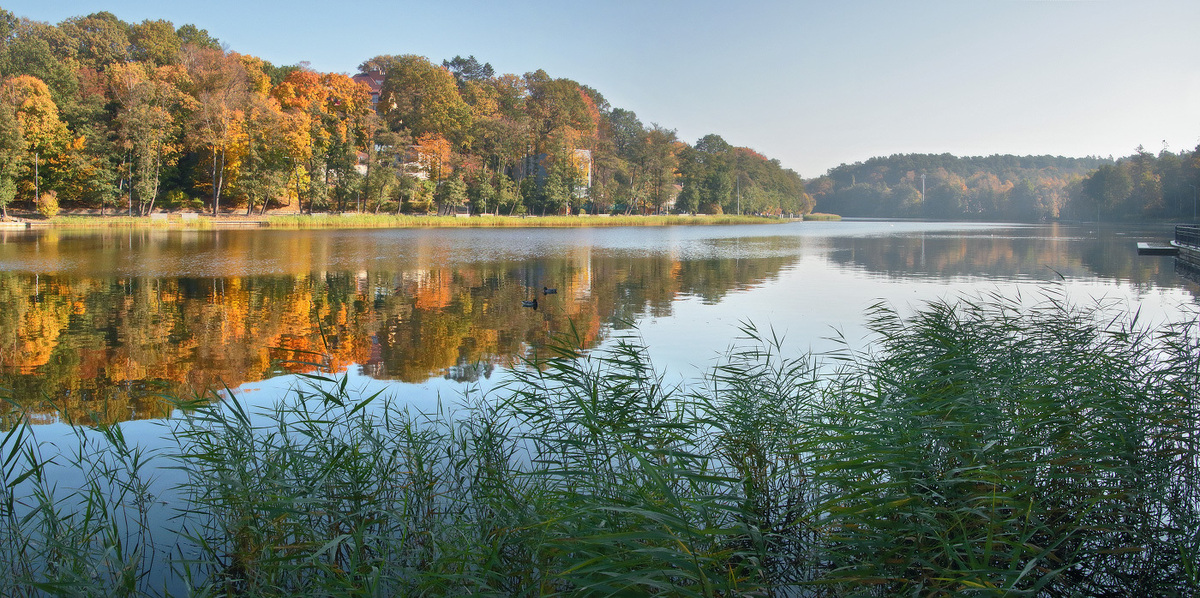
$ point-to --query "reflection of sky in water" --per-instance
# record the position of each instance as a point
(821, 294)
(818, 297)
(832, 273)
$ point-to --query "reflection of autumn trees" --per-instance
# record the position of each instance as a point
(101, 348)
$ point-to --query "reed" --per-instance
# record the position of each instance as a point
(94, 222)
(489, 221)
(354, 220)
(985, 446)
(822, 216)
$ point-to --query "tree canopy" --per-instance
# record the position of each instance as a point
(1027, 188)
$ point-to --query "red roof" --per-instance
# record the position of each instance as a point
(373, 80)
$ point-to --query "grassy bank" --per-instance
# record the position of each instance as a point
(404, 221)
(320, 221)
(818, 216)
(982, 447)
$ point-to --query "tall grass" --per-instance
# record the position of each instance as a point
(489, 221)
(355, 220)
(822, 216)
(74, 519)
(1000, 448)
(986, 446)
(141, 222)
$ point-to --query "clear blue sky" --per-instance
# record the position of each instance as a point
(814, 83)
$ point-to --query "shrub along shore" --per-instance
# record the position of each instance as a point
(356, 220)
(983, 446)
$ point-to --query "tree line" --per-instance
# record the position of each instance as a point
(1001, 187)
(1006, 187)
(129, 117)
(1144, 185)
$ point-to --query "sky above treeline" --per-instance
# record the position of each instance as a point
(814, 83)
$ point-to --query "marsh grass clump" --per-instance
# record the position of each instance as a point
(819, 216)
(984, 446)
(75, 519)
(350, 220)
(994, 447)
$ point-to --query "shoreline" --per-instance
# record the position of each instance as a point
(195, 221)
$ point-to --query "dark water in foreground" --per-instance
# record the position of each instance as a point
(103, 322)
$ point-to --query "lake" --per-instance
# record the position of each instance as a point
(113, 326)
(105, 323)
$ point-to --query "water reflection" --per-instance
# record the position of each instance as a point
(97, 346)
(1011, 254)
(105, 324)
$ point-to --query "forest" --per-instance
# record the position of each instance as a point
(1020, 188)
(97, 113)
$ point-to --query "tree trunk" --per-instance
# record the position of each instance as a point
(215, 197)
(218, 179)
(154, 195)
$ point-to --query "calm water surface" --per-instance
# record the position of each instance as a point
(102, 322)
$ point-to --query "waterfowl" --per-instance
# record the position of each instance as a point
(532, 304)
(548, 291)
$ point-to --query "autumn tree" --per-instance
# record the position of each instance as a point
(37, 49)
(12, 155)
(660, 166)
(562, 113)
(266, 170)
(433, 154)
(384, 149)
(146, 126)
(348, 110)
(450, 194)
(219, 86)
(468, 69)
(190, 35)
(98, 40)
(46, 138)
(336, 109)
(421, 98)
(155, 42)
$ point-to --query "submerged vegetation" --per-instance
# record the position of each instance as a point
(987, 446)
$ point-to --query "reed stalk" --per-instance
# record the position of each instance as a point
(982, 446)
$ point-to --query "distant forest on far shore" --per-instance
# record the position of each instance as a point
(1021, 188)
